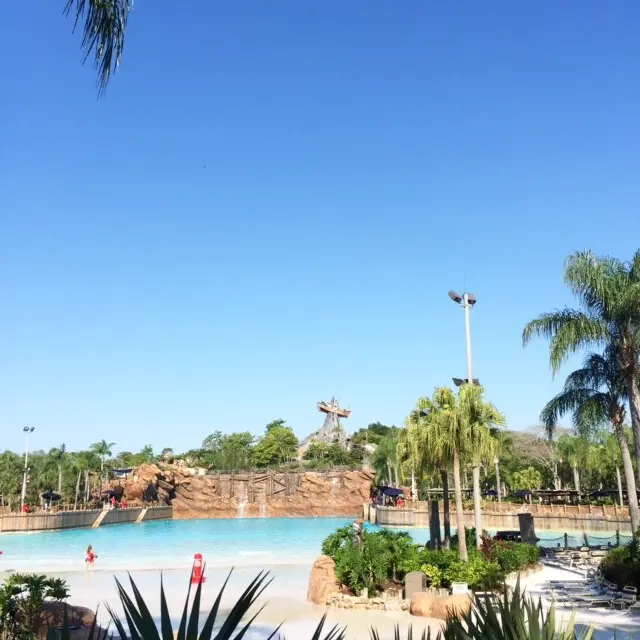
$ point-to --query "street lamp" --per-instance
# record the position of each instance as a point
(27, 431)
(466, 301)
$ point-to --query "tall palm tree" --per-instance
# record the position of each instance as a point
(458, 428)
(481, 420)
(573, 450)
(385, 459)
(103, 450)
(57, 456)
(424, 459)
(595, 395)
(103, 23)
(608, 458)
(608, 291)
(441, 437)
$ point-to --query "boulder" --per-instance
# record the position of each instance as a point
(322, 581)
(430, 605)
(52, 615)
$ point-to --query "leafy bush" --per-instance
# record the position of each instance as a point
(478, 573)
(403, 552)
(382, 555)
(335, 541)
(22, 596)
(433, 573)
(622, 566)
(389, 555)
(363, 566)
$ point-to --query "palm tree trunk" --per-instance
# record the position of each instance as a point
(75, 502)
(633, 392)
(389, 472)
(446, 506)
(629, 477)
(60, 478)
(576, 479)
(619, 480)
(498, 485)
(462, 542)
(87, 488)
(477, 506)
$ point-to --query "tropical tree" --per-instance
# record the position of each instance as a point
(595, 396)
(608, 291)
(104, 23)
(527, 479)
(424, 458)
(57, 455)
(146, 453)
(278, 445)
(608, 459)
(480, 420)
(385, 460)
(574, 451)
(11, 469)
(458, 428)
(103, 449)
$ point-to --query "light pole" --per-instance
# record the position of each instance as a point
(466, 301)
(27, 431)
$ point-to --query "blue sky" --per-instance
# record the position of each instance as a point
(273, 199)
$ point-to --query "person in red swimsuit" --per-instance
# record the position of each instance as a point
(90, 557)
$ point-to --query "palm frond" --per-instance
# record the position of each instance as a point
(568, 331)
(105, 23)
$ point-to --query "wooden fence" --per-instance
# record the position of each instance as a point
(419, 517)
(260, 487)
(44, 521)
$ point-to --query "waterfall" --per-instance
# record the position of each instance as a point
(243, 499)
(263, 509)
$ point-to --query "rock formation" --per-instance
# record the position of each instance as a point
(52, 615)
(322, 581)
(260, 494)
(430, 605)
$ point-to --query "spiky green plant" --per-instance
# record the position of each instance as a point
(139, 623)
(514, 617)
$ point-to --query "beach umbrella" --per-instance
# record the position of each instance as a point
(50, 496)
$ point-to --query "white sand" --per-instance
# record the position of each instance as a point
(285, 601)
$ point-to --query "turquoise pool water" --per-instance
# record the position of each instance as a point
(171, 544)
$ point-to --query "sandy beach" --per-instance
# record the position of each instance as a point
(286, 604)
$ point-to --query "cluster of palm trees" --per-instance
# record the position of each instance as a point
(445, 432)
(449, 431)
(607, 323)
(74, 476)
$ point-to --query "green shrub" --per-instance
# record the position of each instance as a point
(506, 557)
(442, 559)
(433, 573)
(403, 552)
(622, 566)
(363, 566)
(335, 541)
(478, 573)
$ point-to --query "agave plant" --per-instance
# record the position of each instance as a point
(139, 624)
(514, 617)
